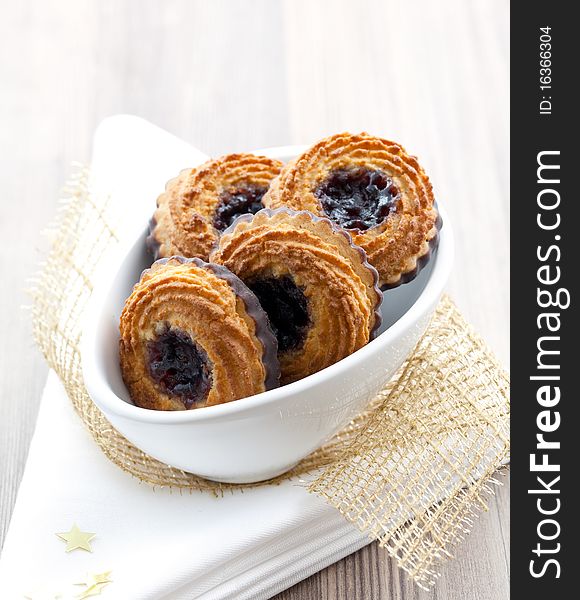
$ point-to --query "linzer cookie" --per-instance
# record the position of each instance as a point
(316, 286)
(193, 335)
(374, 190)
(200, 203)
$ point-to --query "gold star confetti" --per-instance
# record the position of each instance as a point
(95, 583)
(75, 538)
(94, 590)
(96, 578)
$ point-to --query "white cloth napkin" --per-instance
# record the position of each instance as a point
(157, 543)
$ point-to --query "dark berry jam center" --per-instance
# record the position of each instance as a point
(180, 367)
(357, 198)
(287, 309)
(246, 199)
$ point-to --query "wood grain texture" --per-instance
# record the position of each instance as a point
(241, 74)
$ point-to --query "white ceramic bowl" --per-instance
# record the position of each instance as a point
(259, 437)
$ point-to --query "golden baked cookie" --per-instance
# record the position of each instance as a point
(372, 188)
(317, 288)
(193, 335)
(200, 203)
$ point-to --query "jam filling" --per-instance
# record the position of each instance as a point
(357, 198)
(287, 309)
(180, 367)
(246, 199)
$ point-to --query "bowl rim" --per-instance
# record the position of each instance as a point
(102, 394)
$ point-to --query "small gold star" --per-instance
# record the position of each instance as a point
(94, 590)
(94, 582)
(75, 538)
(96, 578)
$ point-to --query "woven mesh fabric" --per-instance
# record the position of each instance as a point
(411, 471)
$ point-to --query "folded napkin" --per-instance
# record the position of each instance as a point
(156, 543)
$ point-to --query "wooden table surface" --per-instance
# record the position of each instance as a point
(242, 74)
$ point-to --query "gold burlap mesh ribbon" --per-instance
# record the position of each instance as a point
(411, 471)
